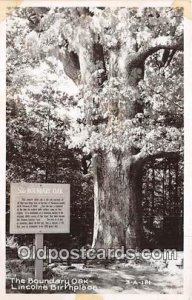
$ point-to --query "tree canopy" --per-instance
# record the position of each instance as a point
(99, 49)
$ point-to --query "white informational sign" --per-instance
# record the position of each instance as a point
(39, 208)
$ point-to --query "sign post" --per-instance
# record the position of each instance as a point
(38, 208)
(38, 262)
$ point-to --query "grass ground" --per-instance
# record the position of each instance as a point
(114, 277)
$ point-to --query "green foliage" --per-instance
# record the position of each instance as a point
(159, 97)
(37, 152)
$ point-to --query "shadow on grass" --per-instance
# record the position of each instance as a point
(130, 279)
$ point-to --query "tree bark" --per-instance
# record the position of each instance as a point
(117, 189)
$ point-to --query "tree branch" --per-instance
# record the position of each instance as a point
(71, 65)
(143, 157)
(163, 42)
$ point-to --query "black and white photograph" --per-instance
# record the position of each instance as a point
(95, 150)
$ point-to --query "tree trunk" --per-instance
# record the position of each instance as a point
(117, 175)
(117, 189)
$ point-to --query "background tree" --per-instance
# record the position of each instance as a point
(162, 202)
